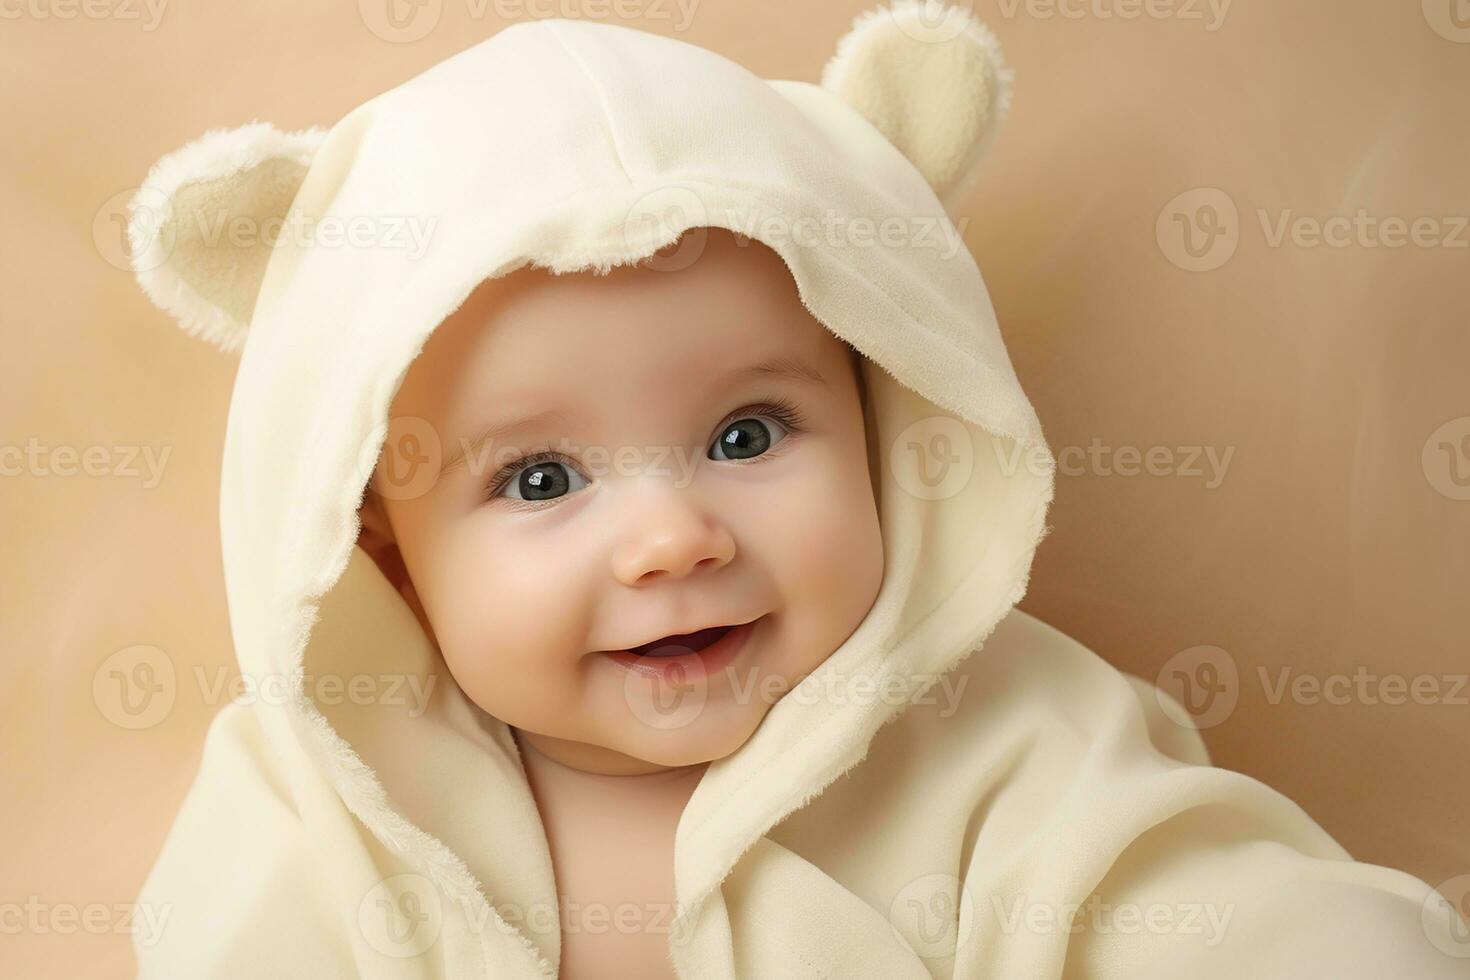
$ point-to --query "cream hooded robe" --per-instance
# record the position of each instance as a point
(958, 791)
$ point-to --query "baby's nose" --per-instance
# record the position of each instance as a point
(672, 543)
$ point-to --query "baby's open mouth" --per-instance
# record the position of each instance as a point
(681, 643)
(683, 657)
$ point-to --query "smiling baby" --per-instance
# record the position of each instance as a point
(683, 464)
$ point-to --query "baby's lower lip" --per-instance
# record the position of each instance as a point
(681, 667)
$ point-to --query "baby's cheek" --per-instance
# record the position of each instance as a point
(513, 641)
(827, 525)
(827, 556)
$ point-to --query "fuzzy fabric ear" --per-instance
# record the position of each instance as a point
(931, 78)
(201, 227)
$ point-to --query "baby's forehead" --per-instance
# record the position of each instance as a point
(721, 302)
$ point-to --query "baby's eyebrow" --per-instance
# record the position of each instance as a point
(496, 431)
(789, 368)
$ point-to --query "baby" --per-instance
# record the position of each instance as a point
(683, 462)
(630, 598)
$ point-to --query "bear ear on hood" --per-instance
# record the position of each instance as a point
(931, 78)
(201, 226)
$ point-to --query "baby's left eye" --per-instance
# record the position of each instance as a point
(748, 437)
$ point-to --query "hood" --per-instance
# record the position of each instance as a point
(574, 146)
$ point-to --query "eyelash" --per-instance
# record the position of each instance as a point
(778, 408)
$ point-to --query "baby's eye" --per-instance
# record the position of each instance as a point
(540, 479)
(748, 437)
(543, 476)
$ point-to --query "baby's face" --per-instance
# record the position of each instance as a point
(679, 481)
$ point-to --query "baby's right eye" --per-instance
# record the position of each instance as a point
(537, 478)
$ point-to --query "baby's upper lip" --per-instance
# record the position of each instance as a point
(731, 623)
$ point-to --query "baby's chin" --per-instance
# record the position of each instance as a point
(719, 731)
(636, 739)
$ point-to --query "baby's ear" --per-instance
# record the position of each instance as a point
(931, 78)
(376, 536)
(377, 539)
(201, 227)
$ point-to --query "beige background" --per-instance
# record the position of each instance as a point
(1335, 543)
